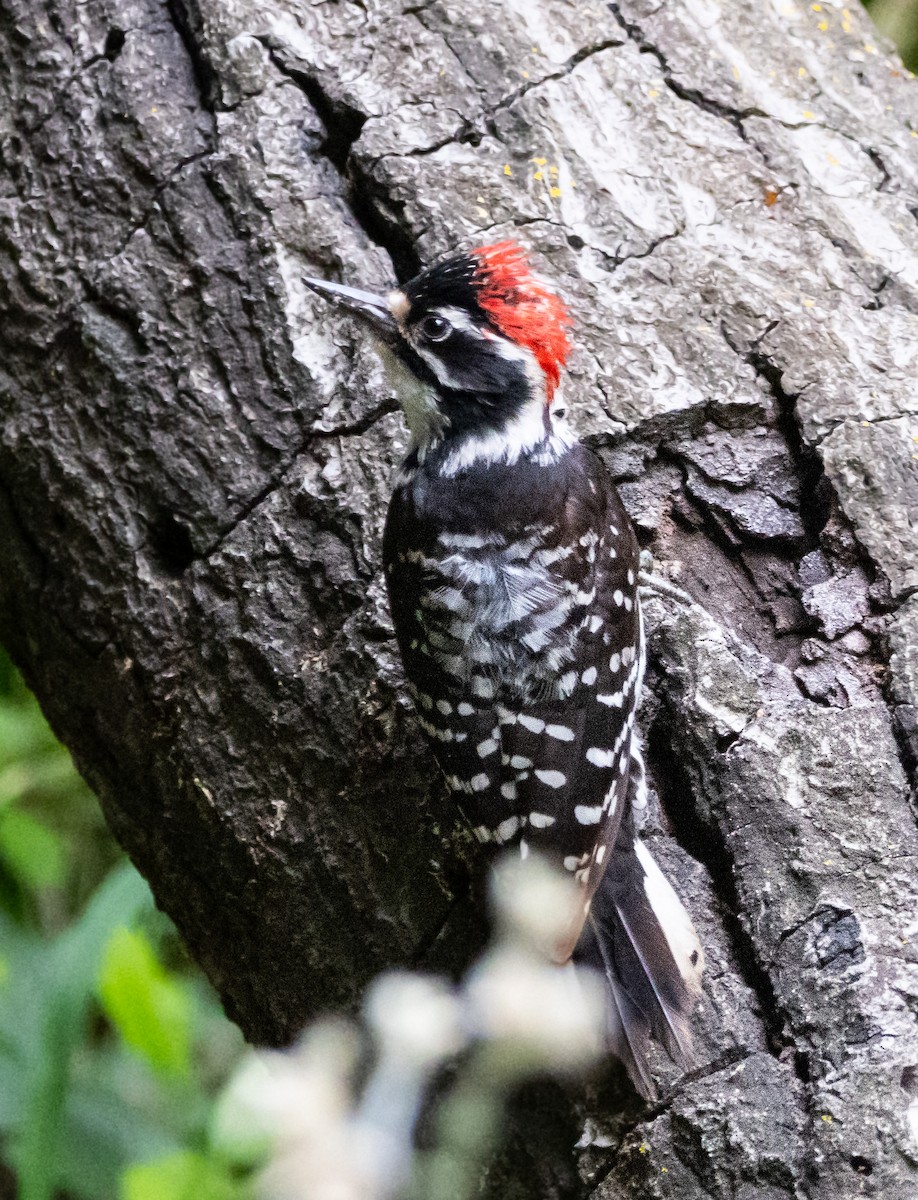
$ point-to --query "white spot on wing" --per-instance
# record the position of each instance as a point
(600, 758)
(588, 814)
(561, 732)
(534, 724)
(506, 829)
(552, 779)
(539, 820)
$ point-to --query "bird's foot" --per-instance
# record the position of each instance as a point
(651, 585)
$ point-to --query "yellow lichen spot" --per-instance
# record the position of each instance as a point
(538, 175)
(643, 1148)
(507, 170)
(555, 191)
(736, 72)
(553, 170)
(539, 162)
(809, 116)
(664, 1170)
(816, 7)
(154, 110)
(831, 160)
(915, 437)
(827, 862)
(652, 93)
(827, 1118)
(870, 48)
(525, 74)
(915, 133)
(535, 49)
(808, 303)
(823, 26)
(801, 71)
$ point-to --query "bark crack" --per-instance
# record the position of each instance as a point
(373, 211)
(316, 434)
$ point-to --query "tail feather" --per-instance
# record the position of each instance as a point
(641, 938)
(628, 1028)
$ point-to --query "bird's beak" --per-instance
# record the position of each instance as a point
(372, 309)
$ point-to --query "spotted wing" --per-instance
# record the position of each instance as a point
(523, 649)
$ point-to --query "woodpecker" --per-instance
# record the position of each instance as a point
(512, 572)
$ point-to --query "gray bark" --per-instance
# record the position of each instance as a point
(194, 466)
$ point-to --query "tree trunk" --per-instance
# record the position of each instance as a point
(195, 462)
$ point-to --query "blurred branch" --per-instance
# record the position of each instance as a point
(517, 1017)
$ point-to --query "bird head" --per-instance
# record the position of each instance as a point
(483, 340)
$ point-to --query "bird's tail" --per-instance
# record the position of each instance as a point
(640, 938)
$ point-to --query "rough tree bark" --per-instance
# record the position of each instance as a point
(195, 459)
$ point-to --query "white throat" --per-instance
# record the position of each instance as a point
(418, 401)
(528, 429)
(536, 424)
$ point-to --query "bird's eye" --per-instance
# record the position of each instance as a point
(435, 329)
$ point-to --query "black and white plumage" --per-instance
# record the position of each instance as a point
(512, 574)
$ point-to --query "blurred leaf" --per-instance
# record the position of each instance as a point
(81, 1100)
(76, 955)
(24, 732)
(117, 1113)
(150, 1010)
(34, 853)
(49, 771)
(183, 1176)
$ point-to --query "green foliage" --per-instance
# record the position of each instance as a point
(112, 1046)
(182, 1176)
(150, 1009)
(898, 19)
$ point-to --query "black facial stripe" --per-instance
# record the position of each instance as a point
(416, 364)
(479, 365)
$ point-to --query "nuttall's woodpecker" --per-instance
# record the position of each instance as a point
(512, 574)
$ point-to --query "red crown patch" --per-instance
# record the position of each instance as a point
(522, 307)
